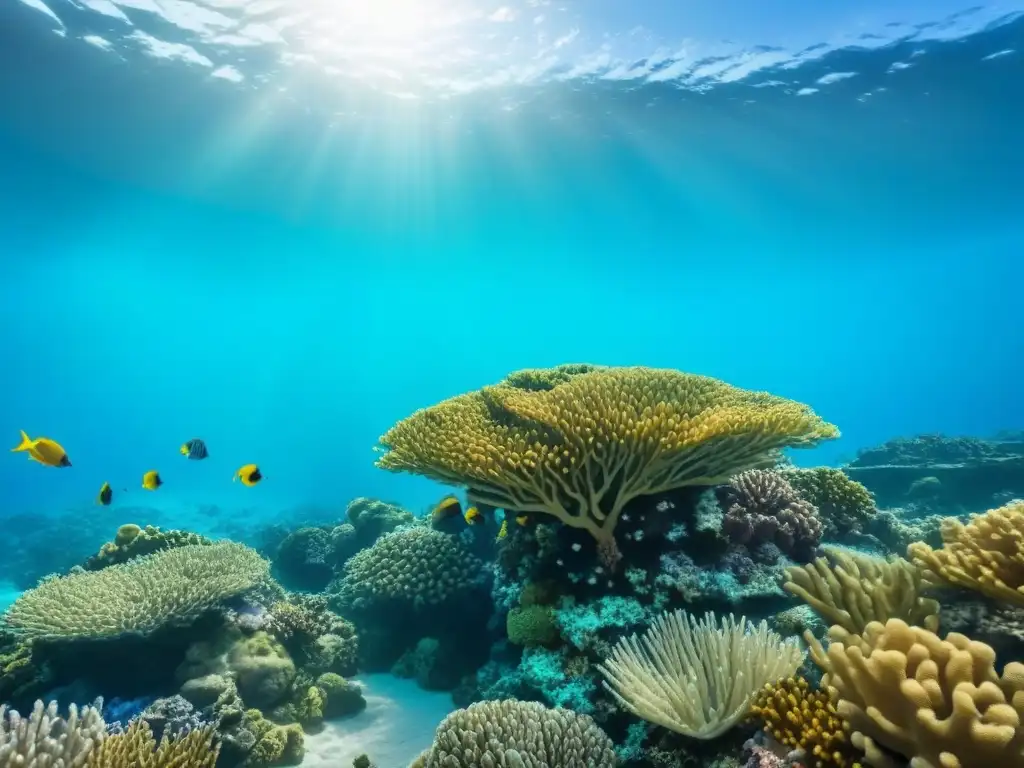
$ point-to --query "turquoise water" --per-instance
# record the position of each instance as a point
(284, 264)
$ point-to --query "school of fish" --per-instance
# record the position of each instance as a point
(50, 453)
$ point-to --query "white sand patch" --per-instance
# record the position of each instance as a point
(398, 723)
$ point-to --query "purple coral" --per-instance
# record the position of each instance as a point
(763, 507)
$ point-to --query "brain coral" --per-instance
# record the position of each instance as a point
(518, 734)
(762, 506)
(173, 586)
(578, 443)
(419, 565)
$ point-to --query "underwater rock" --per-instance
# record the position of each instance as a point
(172, 715)
(434, 666)
(204, 691)
(303, 559)
(263, 670)
(972, 474)
(343, 696)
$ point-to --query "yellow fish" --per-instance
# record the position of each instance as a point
(249, 475)
(504, 529)
(106, 494)
(474, 516)
(151, 480)
(522, 519)
(449, 506)
(44, 450)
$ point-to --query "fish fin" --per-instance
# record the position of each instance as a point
(24, 445)
(33, 457)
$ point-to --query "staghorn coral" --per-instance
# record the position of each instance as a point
(697, 678)
(938, 703)
(131, 542)
(174, 586)
(762, 506)
(583, 448)
(44, 740)
(136, 747)
(844, 505)
(417, 565)
(518, 734)
(806, 720)
(986, 555)
(855, 589)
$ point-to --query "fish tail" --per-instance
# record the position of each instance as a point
(26, 443)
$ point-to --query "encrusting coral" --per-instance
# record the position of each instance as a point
(852, 590)
(762, 506)
(938, 703)
(132, 541)
(418, 565)
(579, 445)
(517, 734)
(986, 554)
(173, 586)
(697, 678)
(803, 719)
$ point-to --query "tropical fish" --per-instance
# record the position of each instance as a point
(151, 480)
(522, 519)
(44, 450)
(249, 475)
(504, 529)
(474, 516)
(194, 449)
(449, 506)
(106, 494)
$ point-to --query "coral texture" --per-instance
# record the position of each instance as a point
(938, 703)
(418, 565)
(44, 739)
(579, 446)
(697, 678)
(518, 734)
(986, 555)
(136, 747)
(762, 506)
(174, 586)
(132, 541)
(853, 590)
(843, 504)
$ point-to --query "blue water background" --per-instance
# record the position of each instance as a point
(178, 261)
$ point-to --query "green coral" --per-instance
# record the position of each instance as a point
(275, 744)
(21, 677)
(264, 672)
(417, 565)
(310, 707)
(343, 697)
(531, 625)
(131, 542)
(171, 587)
(843, 504)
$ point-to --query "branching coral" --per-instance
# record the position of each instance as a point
(986, 555)
(418, 565)
(697, 678)
(938, 703)
(174, 586)
(843, 504)
(852, 590)
(137, 748)
(44, 739)
(762, 506)
(580, 448)
(802, 718)
(518, 733)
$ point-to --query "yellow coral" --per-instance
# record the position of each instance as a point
(136, 748)
(986, 555)
(843, 503)
(856, 590)
(579, 445)
(938, 703)
(805, 719)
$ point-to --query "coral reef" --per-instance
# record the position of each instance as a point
(517, 733)
(761, 506)
(132, 541)
(580, 448)
(843, 504)
(173, 586)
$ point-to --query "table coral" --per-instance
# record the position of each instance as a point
(580, 445)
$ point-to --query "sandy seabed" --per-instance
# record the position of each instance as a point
(398, 723)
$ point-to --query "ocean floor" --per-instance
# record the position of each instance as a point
(8, 594)
(398, 723)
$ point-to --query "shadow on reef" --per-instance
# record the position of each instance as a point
(637, 578)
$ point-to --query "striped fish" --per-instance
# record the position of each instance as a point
(194, 449)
